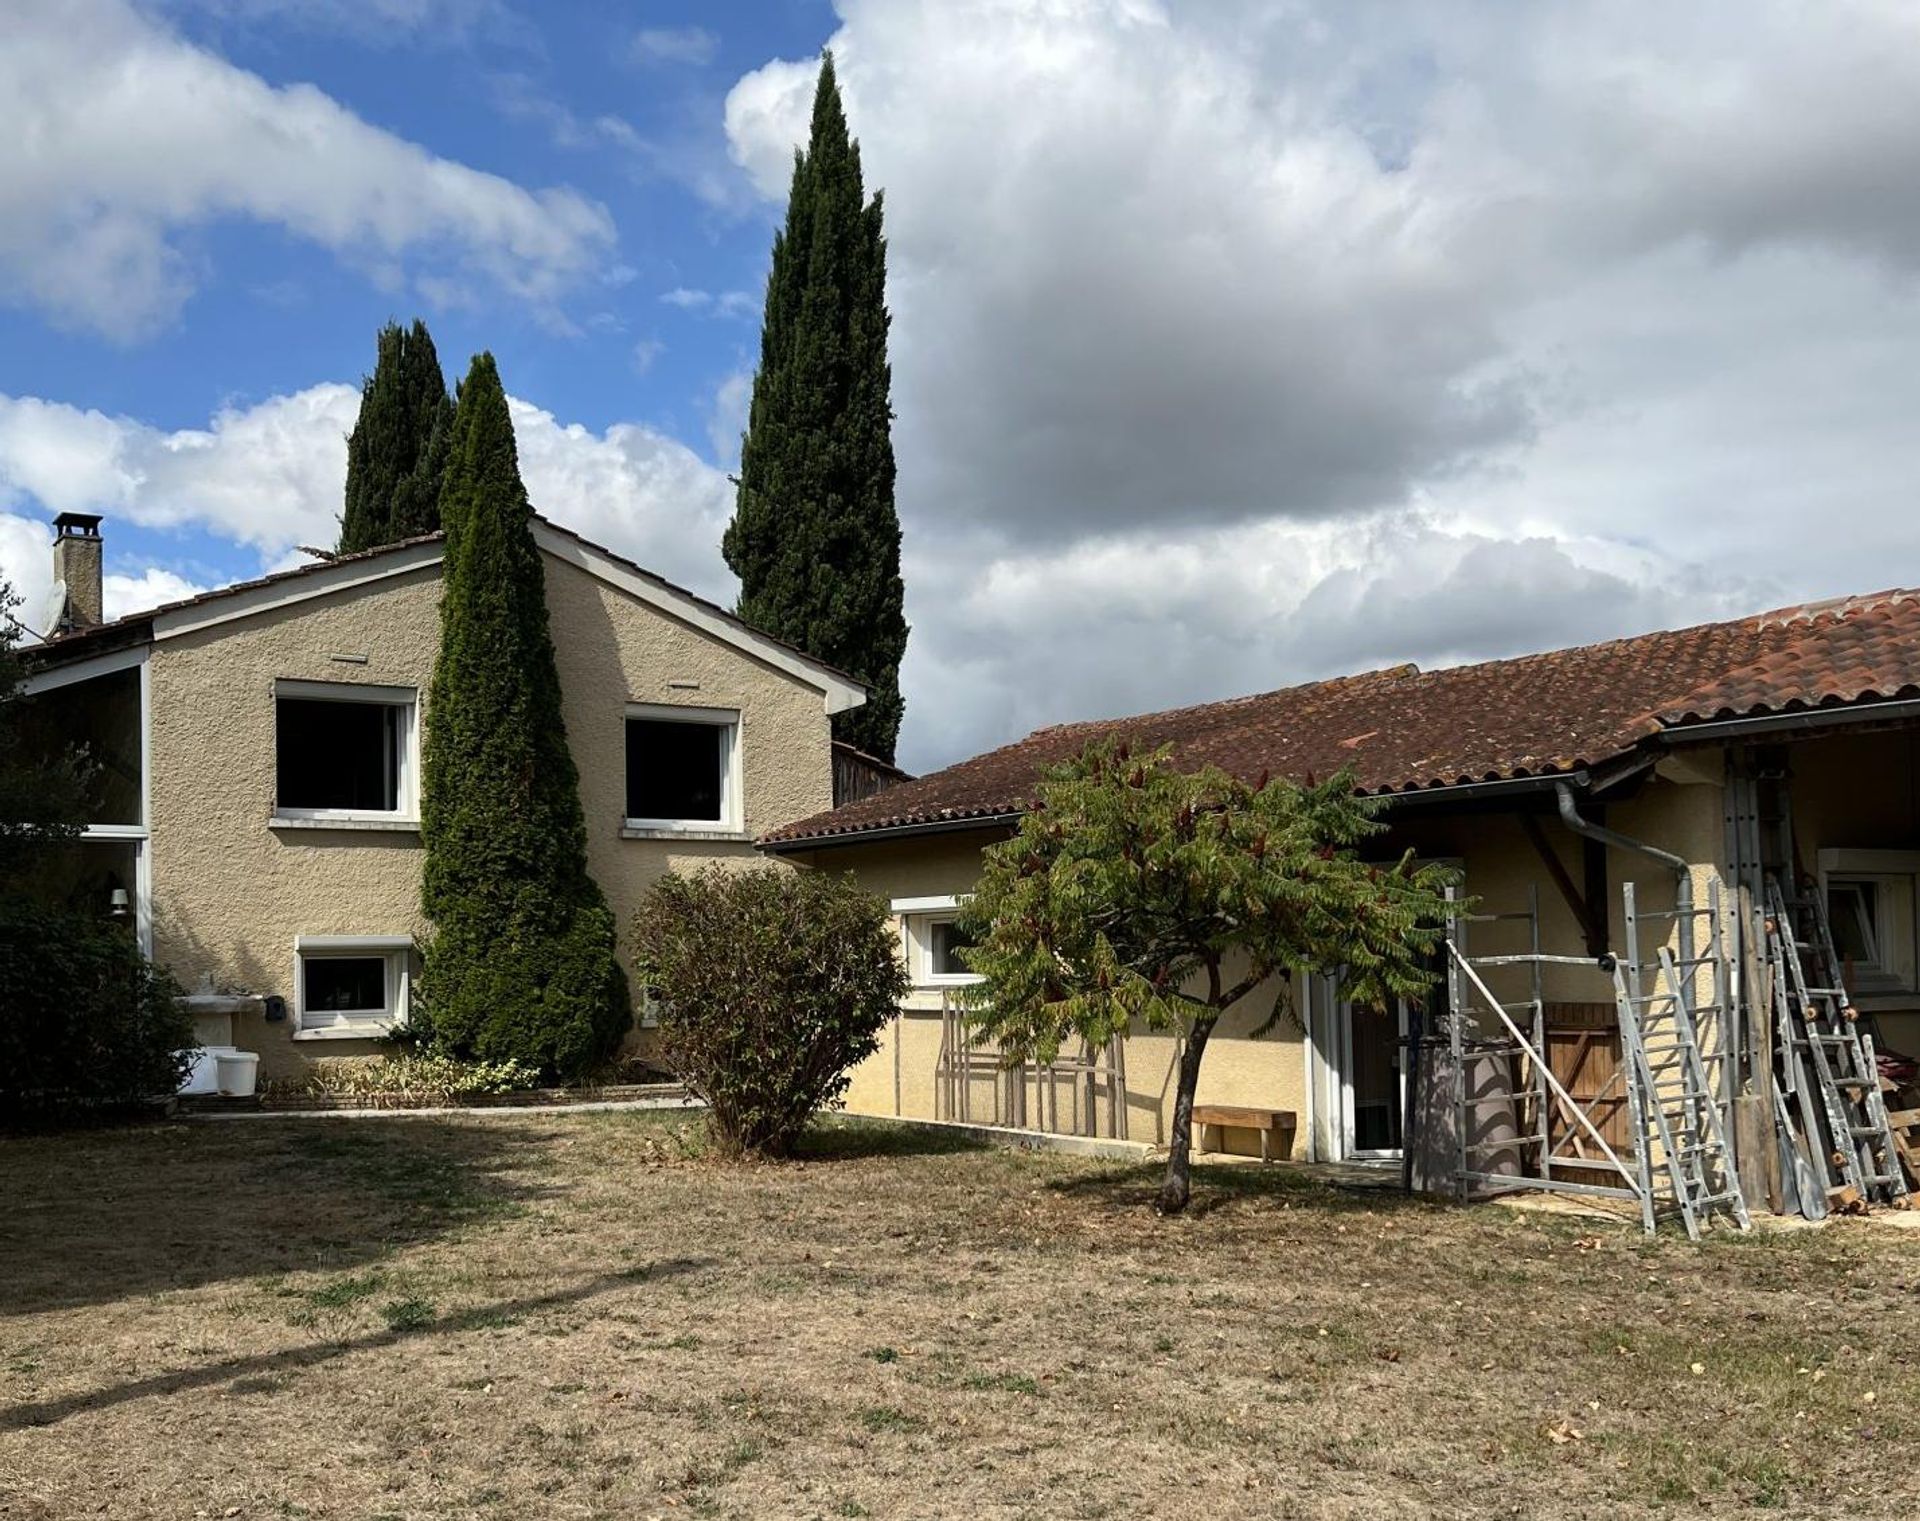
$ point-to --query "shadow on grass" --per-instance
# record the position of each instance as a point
(110, 1215)
(1225, 1187)
(271, 1365)
(845, 1138)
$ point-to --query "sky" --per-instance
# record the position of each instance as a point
(1235, 342)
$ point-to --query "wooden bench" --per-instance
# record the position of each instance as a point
(1267, 1122)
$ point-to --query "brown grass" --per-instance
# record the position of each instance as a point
(576, 1315)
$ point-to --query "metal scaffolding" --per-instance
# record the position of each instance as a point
(1028, 1095)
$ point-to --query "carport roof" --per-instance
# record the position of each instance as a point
(1405, 731)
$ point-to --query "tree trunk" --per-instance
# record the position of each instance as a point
(1175, 1191)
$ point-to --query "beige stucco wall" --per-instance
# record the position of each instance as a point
(231, 893)
(1681, 812)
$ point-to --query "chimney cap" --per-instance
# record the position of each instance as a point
(78, 524)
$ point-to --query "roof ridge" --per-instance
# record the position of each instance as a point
(1835, 607)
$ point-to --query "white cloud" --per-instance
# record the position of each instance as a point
(674, 44)
(123, 138)
(1240, 343)
(727, 419)
(270, 477)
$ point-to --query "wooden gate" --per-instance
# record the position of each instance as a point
(1583, 1052)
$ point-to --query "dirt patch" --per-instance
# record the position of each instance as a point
(577, 1315)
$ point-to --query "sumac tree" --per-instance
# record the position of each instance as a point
(1136, 895)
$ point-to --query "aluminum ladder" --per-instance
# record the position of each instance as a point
(1679, 1111)
(1829, 1061)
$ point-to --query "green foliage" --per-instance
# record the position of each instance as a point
(1137, 895)
(42, 797)
(397, 452)
(90, 1024)
(521, 963)
(815, 539)
(771, 985)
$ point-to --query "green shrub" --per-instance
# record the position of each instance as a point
(412, 1075)
(86, 1022)
(770, 985)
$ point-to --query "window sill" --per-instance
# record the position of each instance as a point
(941, 984)
(656, 832)
(362, 1032)
(389, 826)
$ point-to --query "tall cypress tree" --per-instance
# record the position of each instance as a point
(397, 452)
(815, 539)
(521, 963)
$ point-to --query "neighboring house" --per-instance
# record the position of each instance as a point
(259, 749)
(1685, 745)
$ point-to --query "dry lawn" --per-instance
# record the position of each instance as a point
(535, 1315)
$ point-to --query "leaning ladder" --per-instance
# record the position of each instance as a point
(1679, 1113)
(1831, 1068)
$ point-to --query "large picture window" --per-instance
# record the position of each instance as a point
(682, 769)
(343, 752)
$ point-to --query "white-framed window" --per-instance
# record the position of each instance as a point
(350, 986)
(683, 769)
(933, 941)
(1872, 905)
(345, 753)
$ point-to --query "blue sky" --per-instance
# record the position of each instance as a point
(1235, 343)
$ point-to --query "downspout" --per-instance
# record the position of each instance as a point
(1570, 816)
(1681, 869)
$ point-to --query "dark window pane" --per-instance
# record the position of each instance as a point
(100, 719)
(673, 769)
(1852, 913)
(945, 941)
(338, 755)
(345, 984)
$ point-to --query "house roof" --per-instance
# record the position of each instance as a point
(323, 576)
(1404, 730)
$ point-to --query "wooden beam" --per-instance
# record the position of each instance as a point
(1596, 931)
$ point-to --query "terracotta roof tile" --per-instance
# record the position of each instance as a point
(1403, 730)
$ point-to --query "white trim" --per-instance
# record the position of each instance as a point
(730, 824)
(840, 692)
(93, 666)
(406, 815)
(393, 949)
(923, 905)
(322, 581)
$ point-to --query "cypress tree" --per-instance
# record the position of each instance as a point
(397, 452)
(815, 539)
(521, 963)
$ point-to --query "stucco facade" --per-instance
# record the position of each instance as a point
(232, 889)
(1298, 1064)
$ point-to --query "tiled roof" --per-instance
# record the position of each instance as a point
(1403, 730)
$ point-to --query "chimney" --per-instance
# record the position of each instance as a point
(76, 568)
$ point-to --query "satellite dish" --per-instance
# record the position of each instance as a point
(56, 609)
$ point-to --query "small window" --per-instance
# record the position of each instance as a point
(351, 985)
(934, 941)
(681, 768)
(945, 940)
(1872, 920)
(343, 752)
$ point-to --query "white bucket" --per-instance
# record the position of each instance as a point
(238, 1070)
(203, 1076)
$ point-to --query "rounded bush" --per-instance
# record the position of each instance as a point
(770, 985)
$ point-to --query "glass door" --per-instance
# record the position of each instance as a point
(1372, 1081)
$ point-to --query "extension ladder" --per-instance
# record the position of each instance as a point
(1828, 1061)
